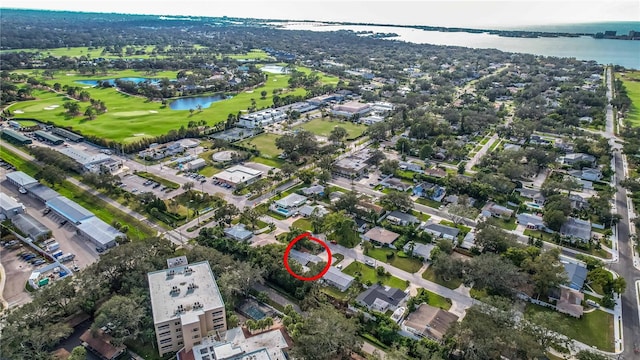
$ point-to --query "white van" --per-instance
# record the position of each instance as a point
(592, 303)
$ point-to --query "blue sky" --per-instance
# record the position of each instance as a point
(461, 13)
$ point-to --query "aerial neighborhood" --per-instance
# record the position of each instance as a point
(154, 182)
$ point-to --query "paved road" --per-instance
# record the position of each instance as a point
(625, 265)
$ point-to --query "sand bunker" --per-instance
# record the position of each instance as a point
(139, 134)
(48, 108)
(18, 112)
(153, 111)
(55, 106)
(249, 91)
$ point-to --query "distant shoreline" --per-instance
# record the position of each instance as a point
(611, 35)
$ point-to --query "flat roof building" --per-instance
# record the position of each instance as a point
(354, 165)
(9, 206)
(87, 160)
(20, 179)
(238, 174)
(49, 138)
(338, 279)
(68, 209)
(42, 192)
(236, 345)
(99, 232)
(66, 134)
(31, 227)
(196, 164)
(350, 109)
(186, 306)
(15, 137)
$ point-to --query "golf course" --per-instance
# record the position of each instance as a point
(129, 118)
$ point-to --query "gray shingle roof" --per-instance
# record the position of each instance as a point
(391, 295)
(577, 274)
(443, 229)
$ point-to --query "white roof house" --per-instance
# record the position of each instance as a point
(337, 278)
(291, 201)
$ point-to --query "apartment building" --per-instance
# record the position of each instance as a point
(186, 303)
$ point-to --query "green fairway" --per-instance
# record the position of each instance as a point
(594, 328)
(129, 118)
(367, 273)
(266, 143)
(255, 54)
(631, 82)
(324, 127)
(89, 52)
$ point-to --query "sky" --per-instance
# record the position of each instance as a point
(452, 13)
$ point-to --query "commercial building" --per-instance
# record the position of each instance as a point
(42, 192)
(354, 165)
(31, 227)
(196, 164)
(351, 109)
(20, 179)
(48, 138)
(236, 345)
(10, 207)
(69, 210)
(66, 134)
(99, 232)
(186, 305)
(237, 175)
(262, 118)
(89, 162)
(15, 137)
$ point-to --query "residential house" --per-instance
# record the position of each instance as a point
(308, 210)
(532, 222)
(288, 205)
(381, 298)
(396, 184)
(576, 229)
(430, 322)
(538, 140)
(587, 174)
(469, 241)
(365, 207)
(361, 225)
(570, 302)
(497, 211)
(578, 202)
(573, 158)
(381, 236)
(410, 167)
(338, 279)
(532, 194)
(576, 273)
(238, 232)
(454, 199)
(102, 344)
(430, 191)
(315, 190)
(435, 172)
(400, 218)
(304, 258)
(418, 250)
(442, 231)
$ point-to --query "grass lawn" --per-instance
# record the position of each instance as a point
(463, 229)
(337, 258)
(303, 224)
(209, 171)
(421, 216)
(255, 54)
(269, 162)
(19, 163)
(266, 143)
(431, 276)
(594, 328)
(408, 264)
(28, 123)
(335, 293)
(324, 127)
(507, 225)
(104, 211)
(438, 300)
(369, 274)
(428, 202)
(130, 118)
(633, 91)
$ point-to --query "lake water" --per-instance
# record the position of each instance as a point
(273, 69)
(604, 51)
(193, 102)
(136, 80)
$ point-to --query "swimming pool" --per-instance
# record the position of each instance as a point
(533, 205)
(254, 312)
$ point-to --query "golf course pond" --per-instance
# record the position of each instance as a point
(136, 80)
(188, 103)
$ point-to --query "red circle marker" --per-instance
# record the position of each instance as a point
(288, 250)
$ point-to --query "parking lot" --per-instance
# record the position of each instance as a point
(65, 234)
(17, 272)
(136, 185)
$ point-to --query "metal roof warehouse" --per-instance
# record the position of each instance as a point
(68, 209)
